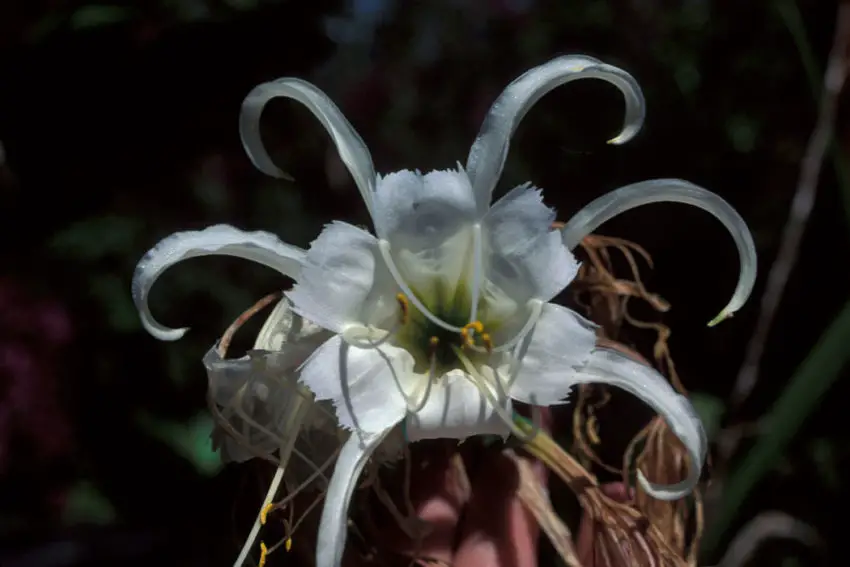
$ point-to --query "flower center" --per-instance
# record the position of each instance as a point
(432, 345)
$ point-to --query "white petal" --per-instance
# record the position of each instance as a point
(677, 191)
(261, 247)
(338, 274)
(560, 343)
(456, 409)
(611, 367)
(528, 259)
(365, 385)
(426, 223)
(353, 151)
(333, 527)
(418, 207)
(490, 150)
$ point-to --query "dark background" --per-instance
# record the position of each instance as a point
(118, 125)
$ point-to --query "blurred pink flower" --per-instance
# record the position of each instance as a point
(35, 331)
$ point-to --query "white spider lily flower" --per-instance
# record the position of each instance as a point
(442, 317)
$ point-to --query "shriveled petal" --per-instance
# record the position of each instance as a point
(333, 527)
(259, 399)
(261, 247)
(364, 384)
(559, 344)
(338, 273)
(284, 328)
(352, 150)
(261, 404)
(607, 366)
(528, 259)
(456, 409)
(675, 191)
(490, 150)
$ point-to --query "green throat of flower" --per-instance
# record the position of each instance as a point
(434, 346)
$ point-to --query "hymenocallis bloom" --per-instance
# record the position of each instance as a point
(441, 318)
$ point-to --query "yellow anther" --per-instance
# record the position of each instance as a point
(288, 544)
(468, 338)
(478, 326)
(264, 513)
(264, 552)
(404, 305)
(433, 342)
(488, 342)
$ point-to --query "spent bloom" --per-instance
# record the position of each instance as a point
(441, 318)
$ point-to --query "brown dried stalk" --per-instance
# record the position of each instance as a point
(661, 456)
(536, 500)
(625, 535)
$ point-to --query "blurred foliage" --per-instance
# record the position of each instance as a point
(118, 127)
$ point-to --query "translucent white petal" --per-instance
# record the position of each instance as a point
(259, 399)
(365, 385)
(559, 344)
(607, 366)
(353, 151)
(428, 207)
(677, 191)
(261, 247)
(285, 328)
(427, 223)
(527, 258)
(333, 527)
(490, 150)
(456, 409)
(337, 275)
(258, 395)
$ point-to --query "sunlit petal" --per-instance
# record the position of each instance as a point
(560, 343)
(338, 273)
(456, 409)
(677, 191)
(410, 205)
(352, 150)
(333, 527)
(261, 247)
(490, 150)
(527, 259)
(426, 219)
(364, 384)
(607, 366)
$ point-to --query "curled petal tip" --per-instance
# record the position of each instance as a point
(488, 154)
(261, 247)
(352, 150)
(665, 493)
(672, 190)
(623, 137)
(725, 314)
(161, 332)
(606, 366)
